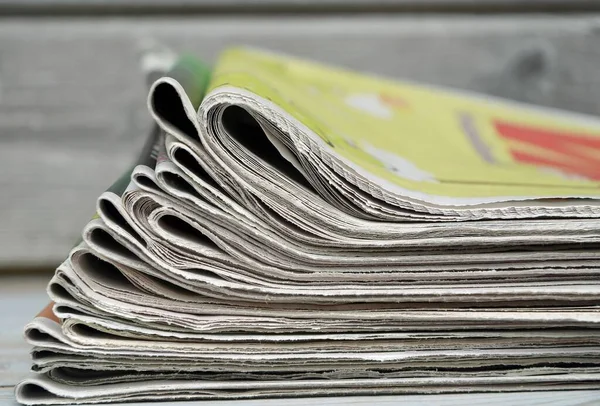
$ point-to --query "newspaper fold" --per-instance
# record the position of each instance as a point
(296, 230)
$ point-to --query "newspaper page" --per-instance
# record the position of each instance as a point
(414, 146)
(291, 229)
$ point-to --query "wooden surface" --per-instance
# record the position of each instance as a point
(22, 297)
(571, 398)
(72, 109)
(104, 7)
(72, 101)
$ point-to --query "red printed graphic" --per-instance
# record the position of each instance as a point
(568, 152)
(394, 101)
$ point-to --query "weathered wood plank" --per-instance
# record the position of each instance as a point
(568, 398)
(99, 7)
(72, 102)
(21, 298)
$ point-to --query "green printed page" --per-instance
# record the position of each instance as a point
(193, 75)
(424, 139)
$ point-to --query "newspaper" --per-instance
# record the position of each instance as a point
(291, 229)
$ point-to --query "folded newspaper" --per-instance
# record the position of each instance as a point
(292, 229)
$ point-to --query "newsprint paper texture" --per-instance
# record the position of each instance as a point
(291, 229)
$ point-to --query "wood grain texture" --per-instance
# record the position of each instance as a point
(72, 101)
(21, 298)
(104, 7)
(568, 398)
(571, 398)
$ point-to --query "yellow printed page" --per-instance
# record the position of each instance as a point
(426, 139)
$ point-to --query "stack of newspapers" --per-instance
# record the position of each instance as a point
(292, 229)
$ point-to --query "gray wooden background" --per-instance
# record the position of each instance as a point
(72, 100)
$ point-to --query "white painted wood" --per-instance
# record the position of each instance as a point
(566, 398)
(21, 298)
(72, 103)
(149, 6)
